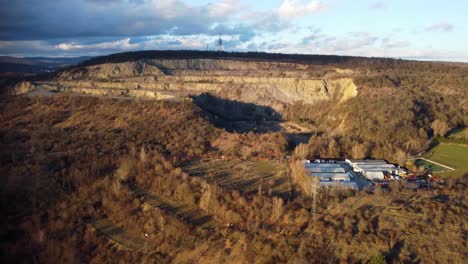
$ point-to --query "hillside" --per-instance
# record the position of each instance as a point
(85, 178)
(345, 100)
(191, 157)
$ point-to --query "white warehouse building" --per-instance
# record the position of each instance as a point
(374, 174)
(375, 169)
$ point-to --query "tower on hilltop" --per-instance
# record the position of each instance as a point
(220, 43)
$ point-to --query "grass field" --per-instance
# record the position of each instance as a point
(453, 155)
(435, 168)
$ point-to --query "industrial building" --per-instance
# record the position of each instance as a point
(330, 174)
(334, 170)
(322, 165)
(376, 169)
(338, 184)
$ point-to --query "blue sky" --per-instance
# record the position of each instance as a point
(414, 29)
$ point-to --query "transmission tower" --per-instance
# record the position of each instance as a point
(220, 43)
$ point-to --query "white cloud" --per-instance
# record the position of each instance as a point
(177, 42)
(391, 43)
(351, 41)
(290, 9)
(377, 6)
(441, 27)
(314, 35)
(123, 44)
(225, 8)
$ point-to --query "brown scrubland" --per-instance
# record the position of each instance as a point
(70, 161)
(123, 180)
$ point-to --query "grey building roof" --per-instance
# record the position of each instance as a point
(338, 184)
(319, 169)
(367, 161)
(322, 165)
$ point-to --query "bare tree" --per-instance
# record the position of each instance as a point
(359, 151)
(315, 186)
(143, 155)
(440, 127)
(300, 152)
(401, 156)
(278, 208)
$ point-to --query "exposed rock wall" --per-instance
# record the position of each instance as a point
(140, 93)
(21, 88)
(266, 83)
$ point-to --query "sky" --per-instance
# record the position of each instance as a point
(409, 29)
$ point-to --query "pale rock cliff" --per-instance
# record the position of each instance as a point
(271, 84)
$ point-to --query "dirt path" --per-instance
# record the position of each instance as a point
(436, 163)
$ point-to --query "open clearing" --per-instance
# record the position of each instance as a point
(244, 176)
(453, 155)
(184, 212)
(118, 235)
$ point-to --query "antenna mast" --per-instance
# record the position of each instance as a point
(220, 43)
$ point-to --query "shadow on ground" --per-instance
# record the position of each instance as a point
(240, 117)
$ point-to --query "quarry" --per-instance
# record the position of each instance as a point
(271, 84)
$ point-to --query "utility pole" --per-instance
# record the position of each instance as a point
(314, 197)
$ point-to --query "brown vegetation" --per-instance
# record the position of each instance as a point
(112, 180)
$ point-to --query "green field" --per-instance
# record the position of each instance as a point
(452, 155)
(435, 168)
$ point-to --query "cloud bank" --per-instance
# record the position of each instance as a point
(97, 27)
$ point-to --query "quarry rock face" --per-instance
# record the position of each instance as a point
(21, 88)
(272, 84)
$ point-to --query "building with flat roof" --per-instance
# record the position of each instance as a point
(319, 169)
(328, 176)
(374, 174)
(322, 165)
(340, 184)
(366, 161)
(375, 169)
